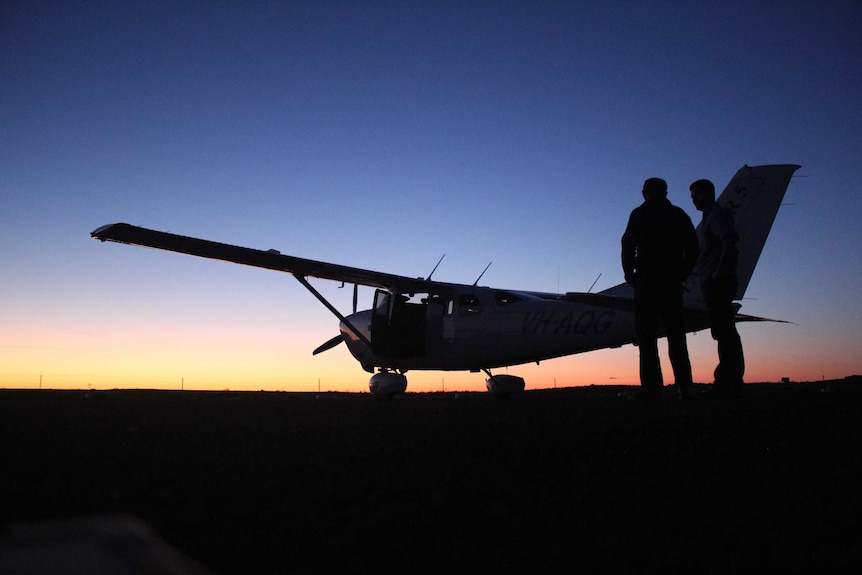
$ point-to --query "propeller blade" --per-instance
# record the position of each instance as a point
(329, 344)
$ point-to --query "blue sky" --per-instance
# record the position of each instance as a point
(385, 134)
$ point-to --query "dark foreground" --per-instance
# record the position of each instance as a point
(553, 481)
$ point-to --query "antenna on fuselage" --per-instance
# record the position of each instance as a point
(435, 267)
(594, 284)
(481, 274)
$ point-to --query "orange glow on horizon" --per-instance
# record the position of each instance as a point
(275, 359)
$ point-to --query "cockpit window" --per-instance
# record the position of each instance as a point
(505, 298)
(381, 303)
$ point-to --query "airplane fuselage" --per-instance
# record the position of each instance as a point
(473, 328)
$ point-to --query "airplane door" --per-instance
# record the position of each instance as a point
(439, 310)
(380, 332)
(397, 326)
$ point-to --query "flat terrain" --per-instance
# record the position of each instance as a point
(548, 481)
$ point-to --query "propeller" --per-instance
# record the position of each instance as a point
(329, 344)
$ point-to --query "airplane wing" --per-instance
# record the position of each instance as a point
(271, 259)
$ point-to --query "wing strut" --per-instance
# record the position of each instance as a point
(330, 307)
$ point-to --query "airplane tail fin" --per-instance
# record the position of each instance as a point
(754, 195)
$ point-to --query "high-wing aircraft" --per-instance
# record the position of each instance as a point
(422, 324)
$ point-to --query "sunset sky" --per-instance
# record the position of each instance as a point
(383, 135)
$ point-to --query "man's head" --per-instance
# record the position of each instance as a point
(702, 194)
(655, 189)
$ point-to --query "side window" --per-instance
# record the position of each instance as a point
(468, 304)
(438, 305)
(505, 298)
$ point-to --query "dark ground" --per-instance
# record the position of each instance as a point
(548, 481)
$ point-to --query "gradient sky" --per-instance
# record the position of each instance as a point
(384, 134)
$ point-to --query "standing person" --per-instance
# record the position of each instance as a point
(717, 270)
(659, 250)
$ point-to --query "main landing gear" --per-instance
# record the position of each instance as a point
(386, 384)
(504, 385)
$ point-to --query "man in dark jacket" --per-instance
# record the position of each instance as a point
(659, 251)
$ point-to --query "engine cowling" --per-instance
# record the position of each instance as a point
(387, 384)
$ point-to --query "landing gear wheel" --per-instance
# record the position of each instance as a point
(386, 384)
(504, 385)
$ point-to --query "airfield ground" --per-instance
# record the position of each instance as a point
(575, 480)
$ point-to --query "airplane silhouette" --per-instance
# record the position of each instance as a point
(422, 324)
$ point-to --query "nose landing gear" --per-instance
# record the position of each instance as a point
(385, 384)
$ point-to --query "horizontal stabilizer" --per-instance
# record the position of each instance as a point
(741, 318)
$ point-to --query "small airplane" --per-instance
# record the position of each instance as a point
(423, 324)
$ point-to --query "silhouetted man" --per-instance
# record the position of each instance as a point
(717, 270)
(659, 250)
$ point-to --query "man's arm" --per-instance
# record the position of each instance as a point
(729, 237)
(629, 250)
(727, 244)
(692, 250)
